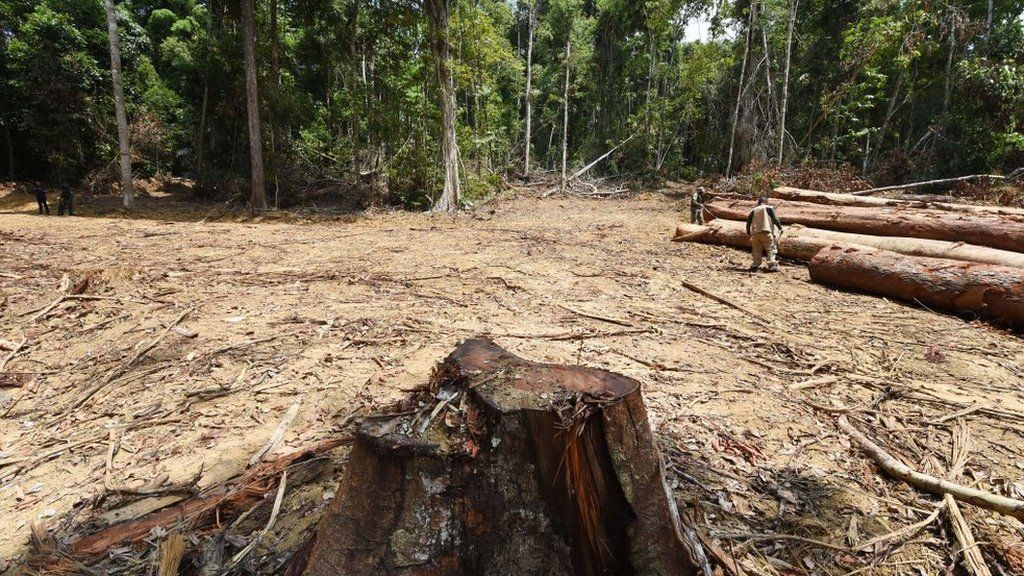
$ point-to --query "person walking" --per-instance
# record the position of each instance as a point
(761, 225)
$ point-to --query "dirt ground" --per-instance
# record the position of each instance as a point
(333, 314)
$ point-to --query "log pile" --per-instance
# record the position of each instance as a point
(1002, 232)
(954, 257)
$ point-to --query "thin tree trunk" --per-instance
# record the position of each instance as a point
(739, 92)
(275, 65)
(437, 12)
(531, 14)
(354, 64)
(122, 118)
(565, 115)
(947, 87)
(988, 19)
(258, 196)
(10, 152)
(785, 80)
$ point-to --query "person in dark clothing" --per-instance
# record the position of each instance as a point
(66, 202)
(41, 199)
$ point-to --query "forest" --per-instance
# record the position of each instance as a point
(396, 101)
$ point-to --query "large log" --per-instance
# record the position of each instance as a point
(1003, 232)
(513, 468)
(992, 292)
(730, 233)
(803, 243)
(835, 199)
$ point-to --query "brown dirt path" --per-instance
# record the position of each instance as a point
(334, 315)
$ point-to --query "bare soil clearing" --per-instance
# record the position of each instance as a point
(186, 343)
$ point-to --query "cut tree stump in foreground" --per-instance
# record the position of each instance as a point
(517, 468)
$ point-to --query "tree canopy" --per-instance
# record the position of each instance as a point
(349, 90)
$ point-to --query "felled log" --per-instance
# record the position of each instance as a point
(992, 292)
(803, 243)
(835, 199)
(1003, 232)
(514, 468)
(792, 244)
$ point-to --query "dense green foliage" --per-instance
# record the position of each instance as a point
(349, 92)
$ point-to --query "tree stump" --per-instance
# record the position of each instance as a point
(512, 468)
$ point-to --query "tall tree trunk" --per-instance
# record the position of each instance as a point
(739, 91)
(10, 152)
(275, 64)
(532, 16)
(258, 196)
(437, 13)
(948, 87)
(988, 19)
(122, 118)
(785, 80)
(353, 79)
(565, 115)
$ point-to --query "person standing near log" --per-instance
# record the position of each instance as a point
(41, 199)
(66, 201)
(761, 224)
(697, 205)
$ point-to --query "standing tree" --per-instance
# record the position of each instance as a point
(122, 118)
(565, 109)
(531, 25)
(437, 14)
(258, 196)
(785, 80)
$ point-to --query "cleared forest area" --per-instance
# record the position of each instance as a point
(143, 359)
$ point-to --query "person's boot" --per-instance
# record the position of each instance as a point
(753, 268)
(773, 268)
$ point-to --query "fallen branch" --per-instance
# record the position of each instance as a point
(926, 183)
(124, 366)
(890, 465)
(14, 352)
(215, 503)
(972, 559)
(717, 298)
(278, 434)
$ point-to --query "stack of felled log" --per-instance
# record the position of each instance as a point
(957, 257)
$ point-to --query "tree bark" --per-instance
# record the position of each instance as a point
(835, 199)
(258, 196)
(532, 16)
(993, 292)
(803, 243)
(1005, 233)
(565, 115)
(519, 468)
(785, 80)
(124, 150)
(437, 14)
